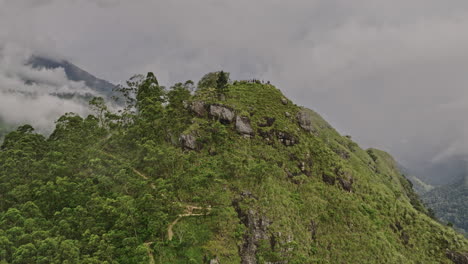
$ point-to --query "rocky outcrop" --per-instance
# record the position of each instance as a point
(222, 113)
(214, 261)
(269, 121)
(305, 120)
(457, 258)
(188, 141)
(199, 108)
(284, 137)
(346, 184)
(345, 179)
(284, 101)
(257, 229)
(328, 179)
(243, 126)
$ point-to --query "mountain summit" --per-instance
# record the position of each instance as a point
(235, 173)
(73, 73)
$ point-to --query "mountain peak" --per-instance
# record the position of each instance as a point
(73, 73)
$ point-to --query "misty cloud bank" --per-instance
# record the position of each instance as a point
(390, 73)
(35, 95)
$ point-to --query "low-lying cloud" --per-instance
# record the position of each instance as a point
(36, 95)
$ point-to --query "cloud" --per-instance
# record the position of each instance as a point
(385, 72)
(35, 95)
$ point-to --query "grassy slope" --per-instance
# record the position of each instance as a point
(376, 223)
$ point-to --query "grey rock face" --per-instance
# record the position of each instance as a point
(457, 258)
(269, 121)
(222, 113)
(188, 141)
(286, 138)
(198, 108)
(284, 101)
(243, 126)
(328, 179)
(214, 261)
(346, 184)
(257, 230)
(304, 119)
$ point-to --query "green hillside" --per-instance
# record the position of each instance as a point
(235, 173)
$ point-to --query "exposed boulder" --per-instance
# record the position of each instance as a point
(243, 126)
(287, 114)
(198, 107)
(346, 184)
(284, 137)
(457, 258)
(188, 141)
(223, 113)
(269, 121)
(214, 261)
(284, 101)
(303, 166)
(328, 179)
(305, 120)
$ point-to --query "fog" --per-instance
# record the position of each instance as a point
(390, 73)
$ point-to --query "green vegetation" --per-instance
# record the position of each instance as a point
(177, 177)
(4, 129)
(449, 204)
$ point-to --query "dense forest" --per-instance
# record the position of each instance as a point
(449, 204)
(227, 172)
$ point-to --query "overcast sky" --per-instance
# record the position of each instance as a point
(393, 74)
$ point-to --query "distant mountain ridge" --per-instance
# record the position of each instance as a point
(74, 73)
(449, 204)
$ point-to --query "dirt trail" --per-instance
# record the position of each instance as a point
(188, 208)
(133, 169)
(188, 212)
(150, 252)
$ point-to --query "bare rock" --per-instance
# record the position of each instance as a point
(243, 126)
(305, 120)
(457, 258)
(269, 121)
(257, 230)
(198, 107)
(214, 261)
(328, 179)
(224, 114)
(188, 141)
(287, 114)
(286, 138)
(346, 184)
(284, 101)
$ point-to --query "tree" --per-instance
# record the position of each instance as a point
(222, 82)
(210, 80)
(150, 96)
(98, 105)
